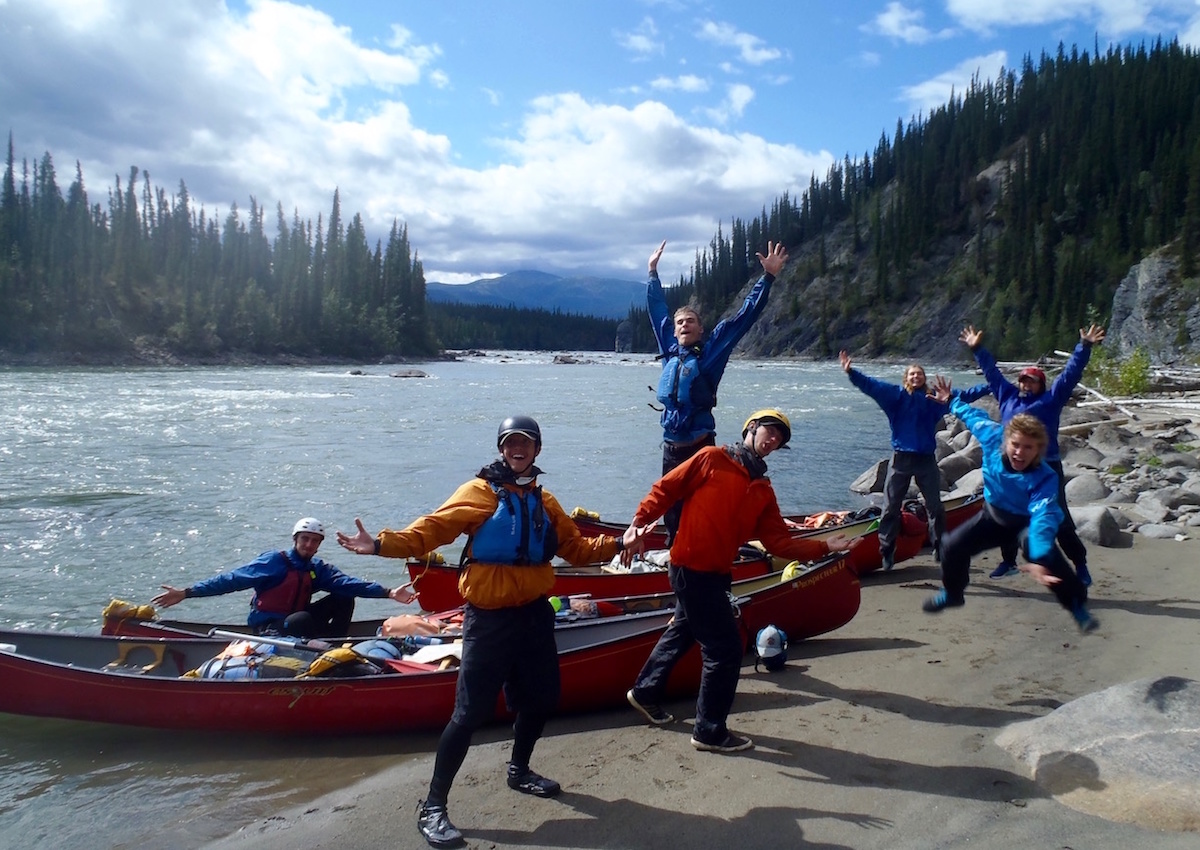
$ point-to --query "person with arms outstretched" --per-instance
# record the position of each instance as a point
(913, 416)
(283, 585)
(514, 529)
(727, 500)
(693, 366)
(1020, 494)
(1031, 395)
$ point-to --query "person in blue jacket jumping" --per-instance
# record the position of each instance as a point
(1031, 395)
(284, 583)
(693, 366)
(1020, 493)
(914, 417)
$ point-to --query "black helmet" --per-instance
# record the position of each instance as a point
(526, 425)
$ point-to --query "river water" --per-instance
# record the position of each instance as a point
(115, 481)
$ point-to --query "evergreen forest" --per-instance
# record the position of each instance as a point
(1032, 194)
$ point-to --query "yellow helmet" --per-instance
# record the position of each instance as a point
(771, 417)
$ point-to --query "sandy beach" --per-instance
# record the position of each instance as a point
(878, 735)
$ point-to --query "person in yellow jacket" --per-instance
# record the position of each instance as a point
(515, 528)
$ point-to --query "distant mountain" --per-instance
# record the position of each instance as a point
(605, 297)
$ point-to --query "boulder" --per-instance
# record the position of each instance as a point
(1085, 456)
(957, 465)
(1162, 531)
(1086, 488)
(872, 480)
(409, 373)
(1129, 753)
(1095, 524)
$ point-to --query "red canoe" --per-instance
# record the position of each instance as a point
(141, 681)
(137, 681)
(436, 584)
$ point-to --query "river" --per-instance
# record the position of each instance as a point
(116, 481)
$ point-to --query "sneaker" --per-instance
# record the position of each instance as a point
(433, 822)
(1004, 569)
(1084, 576)
(528, 782)
(731, 744)
(652, 711)
(941, 600)
(1083, 619)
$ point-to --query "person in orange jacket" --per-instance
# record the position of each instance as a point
(727, 500)
(515, 528)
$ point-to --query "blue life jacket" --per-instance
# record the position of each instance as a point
(518, 533)
(684, 390)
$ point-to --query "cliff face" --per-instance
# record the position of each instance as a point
(1155, 310)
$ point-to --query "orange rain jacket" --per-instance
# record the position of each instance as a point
(722, 509)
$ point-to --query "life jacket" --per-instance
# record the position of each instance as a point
(290, 594)
(683, 388)
(517, 533)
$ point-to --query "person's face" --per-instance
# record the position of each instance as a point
(307, 543)
(519, 453)
(688, 329)
(1028, 385)
(764, 439)
(1022, 451)
(914, 378)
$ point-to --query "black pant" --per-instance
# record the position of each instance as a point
(991, 528)
(673, 455)
(1068, 537)
(906, 466)
(503, 648)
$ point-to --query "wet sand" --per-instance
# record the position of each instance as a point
(878, 735)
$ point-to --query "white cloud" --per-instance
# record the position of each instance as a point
(929, 95)
(899, 22)
(642, 41)
(751, 49)
(684, 83)
(283, 104)
(737, 98)
(1112, 17)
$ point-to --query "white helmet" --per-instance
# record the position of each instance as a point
(310, 524)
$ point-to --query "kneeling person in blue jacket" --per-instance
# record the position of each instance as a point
(284, 583)
(1020, 495)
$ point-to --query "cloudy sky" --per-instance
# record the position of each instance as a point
(569, 136)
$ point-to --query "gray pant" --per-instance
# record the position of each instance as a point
(905, 467)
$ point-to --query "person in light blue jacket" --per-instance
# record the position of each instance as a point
(1020, 493)
(693, 366)
(1031, 395)
(914, 417)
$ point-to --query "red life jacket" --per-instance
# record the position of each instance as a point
(291, 594)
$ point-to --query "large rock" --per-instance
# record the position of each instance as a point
(1095, 524)
(1129, 753)
(1085, 488)
(872, 480)
(957, 465)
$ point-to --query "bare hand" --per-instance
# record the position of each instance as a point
(941, 389)
(844, 358)
(402, 594)
(840, 542)
(971, 337)
(169, 596)
(1093, 335)
(362, 543)
(656, 256)
(775, 259)
(1040, 574)
(634, 539)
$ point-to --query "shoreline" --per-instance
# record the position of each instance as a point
(878, 735)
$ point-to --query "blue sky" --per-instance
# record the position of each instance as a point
(568, 137)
